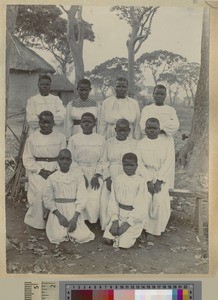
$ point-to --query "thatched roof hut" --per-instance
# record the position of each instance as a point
(62, 87)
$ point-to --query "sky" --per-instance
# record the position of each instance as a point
(176, 29)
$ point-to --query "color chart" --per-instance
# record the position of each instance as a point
(140, 291)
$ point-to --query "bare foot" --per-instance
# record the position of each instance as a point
(108, 242)
(150, 237)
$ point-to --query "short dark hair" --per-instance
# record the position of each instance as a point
(131, 156)
(45, 113)
(122, 79)
(88, 114)
(65, 150)
(84, 81)
(44, 76)
(159, 86)
(152, 120)
(125, 121)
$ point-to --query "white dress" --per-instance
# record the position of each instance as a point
(74, 111)
(67, 193)
(38, 104)
(39, 145)
(168, 122)
(155, 159)
(113, 109)
(113, 155)
(130, 191)
(87, 151)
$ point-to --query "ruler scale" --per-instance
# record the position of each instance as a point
(68, 290)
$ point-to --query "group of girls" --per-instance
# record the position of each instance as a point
(101, 169)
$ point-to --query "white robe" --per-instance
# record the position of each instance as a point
(113, 155)
(132, 191)
(38, 104)
(87, 151)
(155, 159)
(70, 185)
(75, 113)
(39, 145)
(113, 109)
(165, 114)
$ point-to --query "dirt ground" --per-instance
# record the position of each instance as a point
(177, 251)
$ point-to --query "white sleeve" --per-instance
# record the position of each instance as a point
(68, 122)
(102, 124)
(113, 208)
(166, 167)
(59, 115)
(171, 125)
(81, 195)
(31, 117)
(48, 196)
(29, 160)
(137, 131)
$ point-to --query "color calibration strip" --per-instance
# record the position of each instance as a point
(181, 294)
(131, 291)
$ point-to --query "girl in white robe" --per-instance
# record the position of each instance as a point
(156, 157)
(115, 148)
(40, 160)
(127, 205)
(169, 123)
(65, 192)
(87, 149)
(117, 107)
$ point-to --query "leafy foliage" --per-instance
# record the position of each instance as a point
(103, 76)
(42, 27)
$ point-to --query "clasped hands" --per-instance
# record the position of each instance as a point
(72, 224)
(117, 230)
(154, 188)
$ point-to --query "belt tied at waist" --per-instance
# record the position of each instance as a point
(125, 207)
(76, 122)
(65, 200)
(48, 159)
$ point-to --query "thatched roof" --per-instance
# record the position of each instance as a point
(61, 83)
(24, 59)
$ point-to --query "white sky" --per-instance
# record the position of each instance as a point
(176, 29)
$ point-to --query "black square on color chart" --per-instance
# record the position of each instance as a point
(81, 295)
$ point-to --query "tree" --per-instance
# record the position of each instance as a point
(187, 75)
(194, 154)
(159, 62)
(172, 85)
(42, 27)
(103, 76)
(140, 21)
(76, 29)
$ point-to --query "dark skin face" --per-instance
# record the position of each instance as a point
(64, 161)
(129, 166)
(87, 124)
(83, 91)
(121, 88)
(44, 86)
(159, 95)
(152, 129)
(122, 131)
(46, 124)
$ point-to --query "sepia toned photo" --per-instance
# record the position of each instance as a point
(106, 149)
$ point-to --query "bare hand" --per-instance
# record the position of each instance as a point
(123, 228)
(114, 228)
(95, 182)
(157, 186)
(72, 225)
(150, 187)
(45, 173)
(108, 183)
(62, 220)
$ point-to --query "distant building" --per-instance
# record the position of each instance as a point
(62, 87)
(25, 67)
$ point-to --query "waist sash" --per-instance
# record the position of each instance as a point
(65, 200)
(48, 159)
(125, 207)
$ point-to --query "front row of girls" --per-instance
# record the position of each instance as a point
(95, 178)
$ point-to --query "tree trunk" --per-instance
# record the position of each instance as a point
(11, 16)
(131, 73)
(76, 46)
(195, 152)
